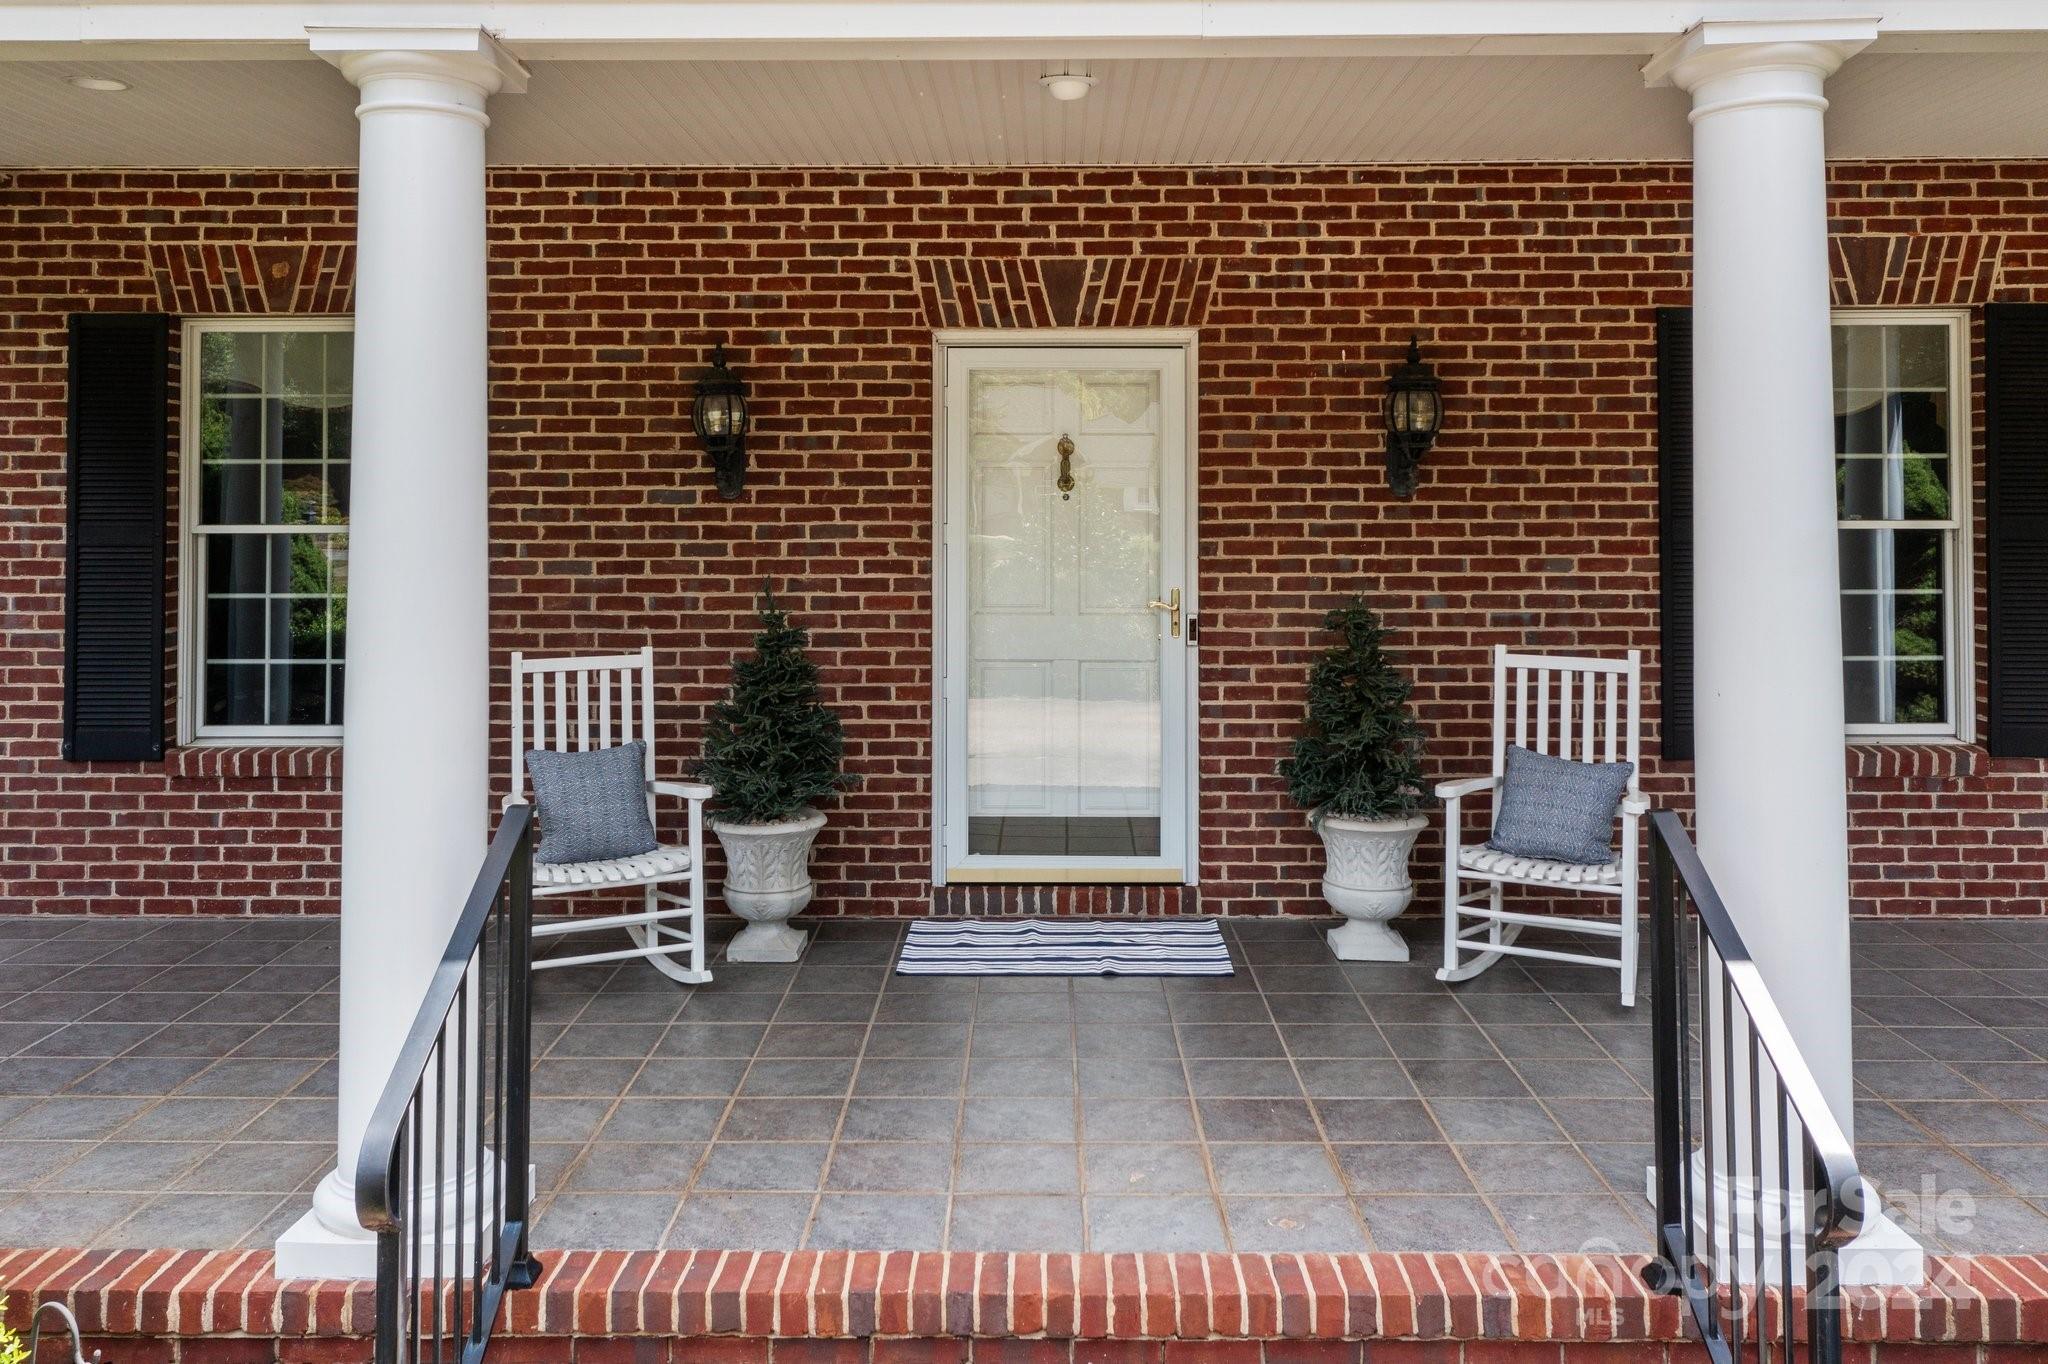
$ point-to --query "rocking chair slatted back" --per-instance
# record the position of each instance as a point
(1601, 694)
(570, 705)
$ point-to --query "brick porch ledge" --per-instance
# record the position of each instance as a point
(1557, 1303)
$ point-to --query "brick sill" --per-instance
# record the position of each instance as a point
(254, 762)
(837, 1295)
(1940, 761)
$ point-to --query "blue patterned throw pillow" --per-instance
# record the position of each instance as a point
(593, 805)
(1557, 809)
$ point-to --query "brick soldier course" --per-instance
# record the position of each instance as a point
(837, 1307)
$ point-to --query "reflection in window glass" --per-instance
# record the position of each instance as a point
(270, 527)
(1895, 439)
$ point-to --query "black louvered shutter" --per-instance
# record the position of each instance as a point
(114, 587)
(2016, 534)
(1674, 528)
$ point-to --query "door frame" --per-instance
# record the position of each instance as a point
(1187, 341)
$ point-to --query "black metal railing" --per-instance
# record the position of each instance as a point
(443, 1177)
(1736, 1214)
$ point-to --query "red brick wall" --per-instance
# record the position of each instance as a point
(1532, 287)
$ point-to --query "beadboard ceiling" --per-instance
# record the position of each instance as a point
(1182, 111)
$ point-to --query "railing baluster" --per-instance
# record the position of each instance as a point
(1728, 1268)
(504, 956)
(457, 1278)
(419, 1173)
(1667, 1047)
(524, 1270)
(440, 1180)
(1761, 1330)
(390, 1281)
(1785, 1212)
(1709, 1165)
(1682, 986)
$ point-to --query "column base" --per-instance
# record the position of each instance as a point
(1884, 1254)
(313, 1247)
(328, 1243)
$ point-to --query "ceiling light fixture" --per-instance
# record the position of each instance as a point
(1067, 84)
(105, 85)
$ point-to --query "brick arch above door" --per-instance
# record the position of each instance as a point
(1066, 291)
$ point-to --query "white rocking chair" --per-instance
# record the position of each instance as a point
(575, 704)
(1545, 694)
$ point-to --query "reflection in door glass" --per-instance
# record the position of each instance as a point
(1064, 722)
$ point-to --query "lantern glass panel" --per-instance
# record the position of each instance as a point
(1412, 411)
(714, 414)
(1422, 411)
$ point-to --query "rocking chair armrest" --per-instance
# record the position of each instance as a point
(1454, 790)
(688, 790)
(1633, 806)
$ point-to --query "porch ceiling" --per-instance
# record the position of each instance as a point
(939, 111)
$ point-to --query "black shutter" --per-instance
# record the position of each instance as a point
(114, 584)
(2016, 533)
(1674, 528)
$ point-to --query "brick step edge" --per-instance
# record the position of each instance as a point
(828, 1295)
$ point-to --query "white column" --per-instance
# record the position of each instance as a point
(1767, 669)
(416, 728)
(1772, 801)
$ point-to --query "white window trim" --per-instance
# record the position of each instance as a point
(191, 565)
(1959, 584)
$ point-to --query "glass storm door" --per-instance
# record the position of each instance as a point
(1065, 683)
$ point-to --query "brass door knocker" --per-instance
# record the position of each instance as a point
(1065, 482)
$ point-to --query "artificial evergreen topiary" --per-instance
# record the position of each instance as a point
(1360, 755)
(770, 747)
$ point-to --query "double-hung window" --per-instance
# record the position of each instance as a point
(264, 515)
(1902, 442)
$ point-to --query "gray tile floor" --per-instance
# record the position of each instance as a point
(170, 1083)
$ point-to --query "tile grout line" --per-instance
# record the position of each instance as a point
(1315, 1113)
(1208, 1156)
(725, 1116)
(1457, 1151)
(860, 1057)
(157, 1101)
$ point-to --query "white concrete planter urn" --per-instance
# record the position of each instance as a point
(767, 882)
(1365, 878)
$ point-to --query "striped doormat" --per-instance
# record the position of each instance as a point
(1067, 947)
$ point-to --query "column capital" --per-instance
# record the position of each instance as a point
(1810, 50)
(453, 52)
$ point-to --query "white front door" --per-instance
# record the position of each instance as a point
(1065, 736)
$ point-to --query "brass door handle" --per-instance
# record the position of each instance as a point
(1065, 482)
(1171, 606)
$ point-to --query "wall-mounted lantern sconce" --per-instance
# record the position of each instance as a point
(720, 418)
(1414, 411)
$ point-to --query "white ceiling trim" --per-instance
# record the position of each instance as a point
(605, 30)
